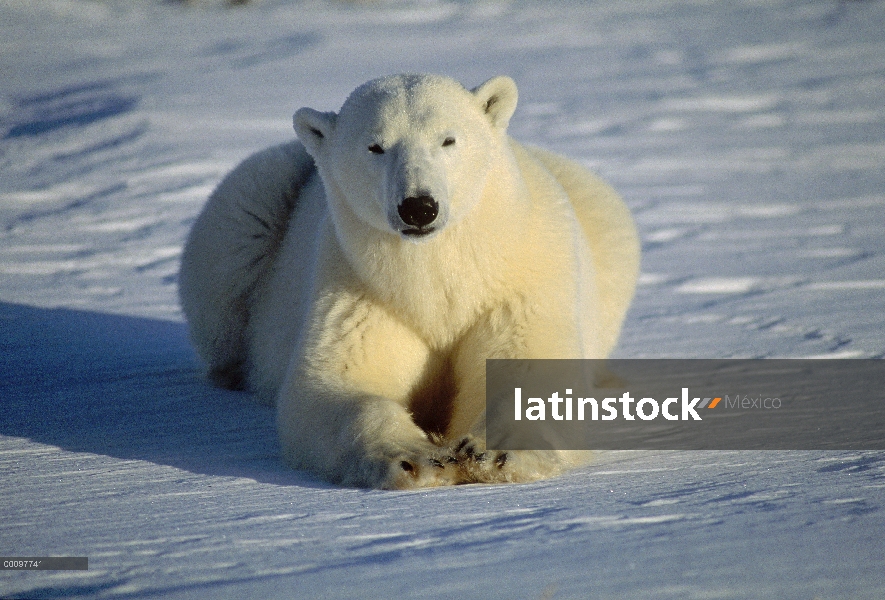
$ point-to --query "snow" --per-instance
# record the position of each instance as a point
(748, 137)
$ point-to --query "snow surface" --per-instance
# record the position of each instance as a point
(747, 136)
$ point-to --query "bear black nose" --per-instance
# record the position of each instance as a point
(418, 211)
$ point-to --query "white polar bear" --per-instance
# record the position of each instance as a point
(362, 279)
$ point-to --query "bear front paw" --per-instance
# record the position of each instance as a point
(418, 470)
(477, 465)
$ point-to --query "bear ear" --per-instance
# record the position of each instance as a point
(313, 128)
(497, 97)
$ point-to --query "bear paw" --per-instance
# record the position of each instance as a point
(431, 465)
(476, 465)
(412, 470)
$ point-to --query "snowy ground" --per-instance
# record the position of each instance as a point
(748, 137)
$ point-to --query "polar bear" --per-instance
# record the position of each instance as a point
(360, 278)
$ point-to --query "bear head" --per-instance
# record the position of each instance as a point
(410, 154)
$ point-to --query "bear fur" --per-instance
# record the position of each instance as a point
(360, 278)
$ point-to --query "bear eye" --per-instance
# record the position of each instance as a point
(449, 141)
(376, 149)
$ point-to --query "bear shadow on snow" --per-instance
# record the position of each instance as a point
(129, 388)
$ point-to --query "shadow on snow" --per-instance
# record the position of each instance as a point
(130, 388)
